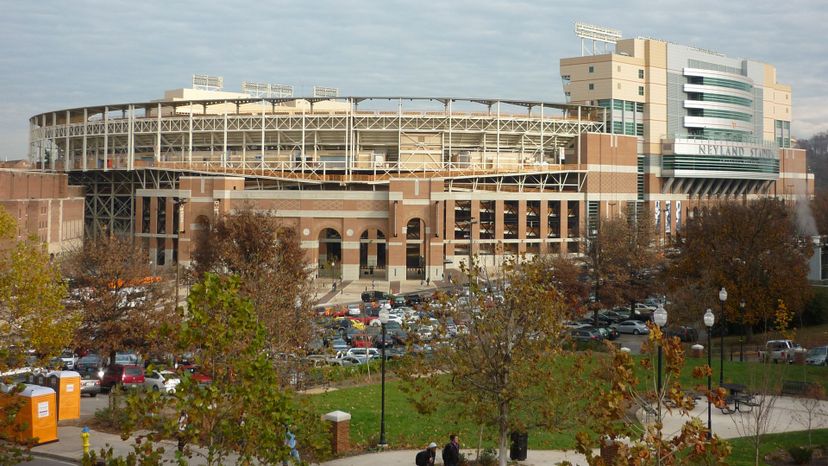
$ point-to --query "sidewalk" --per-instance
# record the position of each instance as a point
(787, 414)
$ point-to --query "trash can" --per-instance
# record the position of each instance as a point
(520, 443)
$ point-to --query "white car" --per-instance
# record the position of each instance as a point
(354, 310)
(68, 359)
(632, 326)
(368, 353)
(163, 381)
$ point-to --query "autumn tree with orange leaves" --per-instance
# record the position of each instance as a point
(755, 250)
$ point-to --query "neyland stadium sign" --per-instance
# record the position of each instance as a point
(717, 148)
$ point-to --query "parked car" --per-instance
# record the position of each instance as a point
(164, 381)
(413, 300)
(586, 334)
(608, 333)
(125, 375)
(779, 350)
(91, 364)
(354, 310)
(615, 316)
(68, 359)
(125, 358)
(632, 326)
(339, 344)
(362, 340)
(817, 356)
(685, 334)
(398, 301)
(368, 296)
(370, 353)
(90, 385)
(199, 377)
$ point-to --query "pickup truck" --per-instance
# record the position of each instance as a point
(779, 350)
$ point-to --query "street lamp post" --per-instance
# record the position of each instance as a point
(660, 318)
(709, 320)
(722, 299)
(742, 336)
(383, 317)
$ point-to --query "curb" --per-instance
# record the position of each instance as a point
(55, 456)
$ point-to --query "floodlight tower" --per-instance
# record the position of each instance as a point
(596, 34)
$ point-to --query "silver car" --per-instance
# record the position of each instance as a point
(632, 326)
(163, 381)
(817, 356)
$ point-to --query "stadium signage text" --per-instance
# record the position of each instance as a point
(723, 150)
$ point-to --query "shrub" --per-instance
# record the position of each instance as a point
(801, 455)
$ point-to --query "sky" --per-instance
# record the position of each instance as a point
(57, 54)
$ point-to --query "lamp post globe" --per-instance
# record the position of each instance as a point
(709, 320)
(722, 299)
(660, 316)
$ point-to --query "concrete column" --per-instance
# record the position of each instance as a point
(521, 225)
(543, 231)
(564, 219)
(350, 249)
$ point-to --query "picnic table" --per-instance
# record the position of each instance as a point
(738, 399)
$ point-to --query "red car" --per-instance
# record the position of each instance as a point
(125, 375)
(200, 378)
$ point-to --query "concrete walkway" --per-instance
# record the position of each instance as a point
(787, 414)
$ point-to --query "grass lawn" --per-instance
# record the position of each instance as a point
(405, 427)
(743, 448)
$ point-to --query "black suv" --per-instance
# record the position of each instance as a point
(368, 296)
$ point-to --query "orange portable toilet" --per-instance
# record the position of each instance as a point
(37, 416)
(67, 387)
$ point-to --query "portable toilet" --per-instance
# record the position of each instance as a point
(37, 416)
(67, 386)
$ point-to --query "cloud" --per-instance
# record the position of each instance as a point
(89, 52)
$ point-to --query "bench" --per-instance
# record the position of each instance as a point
(797, 387)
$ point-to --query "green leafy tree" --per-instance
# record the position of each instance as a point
(241, 416)
(505, 359)
(34, 326)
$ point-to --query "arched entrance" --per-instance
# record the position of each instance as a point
(373, 253)
(415, 265)
(330, 254)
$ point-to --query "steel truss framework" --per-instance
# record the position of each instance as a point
(313, 147)
(110, 197)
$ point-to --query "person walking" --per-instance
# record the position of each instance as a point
(427, 456)
(451, 452)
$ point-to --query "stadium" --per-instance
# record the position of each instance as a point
(406, 188)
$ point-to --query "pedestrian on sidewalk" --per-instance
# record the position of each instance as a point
(451, 452)
(427, 456)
